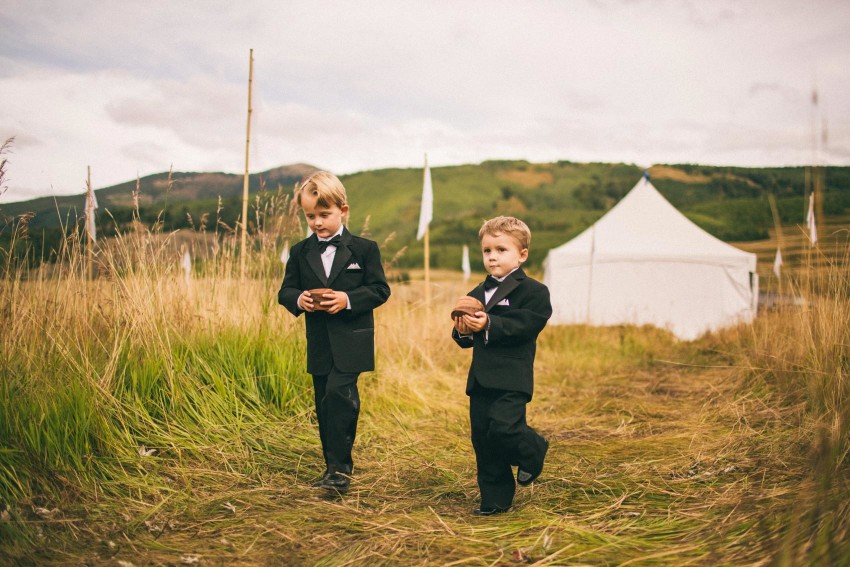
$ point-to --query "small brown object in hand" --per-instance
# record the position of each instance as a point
(318, 295)
(467, 305)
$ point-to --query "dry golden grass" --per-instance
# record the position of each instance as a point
(529, 178)
(801, 260)
(667, 172)
(145, 420)
(659, 454)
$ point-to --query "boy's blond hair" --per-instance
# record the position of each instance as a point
(511, 226)
(326, 187)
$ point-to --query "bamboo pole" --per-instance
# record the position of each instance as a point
(427, 271)
(244, 218)
(777, 227)
(820, 175)
(426, 213)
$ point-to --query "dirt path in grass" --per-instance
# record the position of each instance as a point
(650, 462)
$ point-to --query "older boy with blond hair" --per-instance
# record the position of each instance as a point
(340, 325)
(503, 338)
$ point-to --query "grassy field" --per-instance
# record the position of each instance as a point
(146, 420)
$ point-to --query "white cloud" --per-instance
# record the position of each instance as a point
(134, 88)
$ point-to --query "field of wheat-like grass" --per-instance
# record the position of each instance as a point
(150, 419)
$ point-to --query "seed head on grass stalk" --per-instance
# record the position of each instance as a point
(5, 148)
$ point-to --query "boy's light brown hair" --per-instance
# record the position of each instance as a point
(511, 226)
(326, 187)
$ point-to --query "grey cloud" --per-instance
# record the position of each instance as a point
(840, 153)
(778, 141)
(145, 153)
(14, 193)
(788, 93)
(713, 14)
(198, 112)
(22, 140)
(650, 80)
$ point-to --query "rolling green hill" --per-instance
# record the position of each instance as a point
(557, 200)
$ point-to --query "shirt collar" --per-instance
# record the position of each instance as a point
(506, 275)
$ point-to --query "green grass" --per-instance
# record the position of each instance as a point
(662, 452)
(149, 420)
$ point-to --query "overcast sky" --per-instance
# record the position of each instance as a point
(135, 88)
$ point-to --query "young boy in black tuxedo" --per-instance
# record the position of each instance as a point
(503, 337)
(340, 325)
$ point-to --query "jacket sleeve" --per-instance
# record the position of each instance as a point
(523, 323)
(375, 291)
(290, 289)
(462, 341)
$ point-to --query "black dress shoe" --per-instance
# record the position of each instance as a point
(489, 511)
(318, 482)
(336, 481)
(523, 477)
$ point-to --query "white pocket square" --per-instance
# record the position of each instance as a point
(354, 266)
(504, 302)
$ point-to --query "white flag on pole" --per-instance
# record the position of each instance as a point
(186, 264)
(426, 211)
(777, 262)
(810, 219)
(91, 205)
(284, 255)
(464, 264)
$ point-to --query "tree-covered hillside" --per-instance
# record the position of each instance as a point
(557, 200)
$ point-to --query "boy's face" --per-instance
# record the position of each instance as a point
(324, 221)
(501, 254)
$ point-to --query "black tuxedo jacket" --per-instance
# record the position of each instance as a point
(518, 312)
(346, 339)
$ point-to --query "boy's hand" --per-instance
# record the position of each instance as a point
(477, 322)
(305, 302)
(337, 303)
(461, 327)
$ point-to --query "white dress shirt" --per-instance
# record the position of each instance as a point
(329, 254)
(328, 259)
(488, 293)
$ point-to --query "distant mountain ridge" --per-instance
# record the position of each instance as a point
(557, 200)
(190, 186)
(186, 187)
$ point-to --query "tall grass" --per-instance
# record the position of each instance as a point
(96, 374)
(137, 409)
(802, 356)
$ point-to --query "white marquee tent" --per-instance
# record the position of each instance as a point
(644, 262)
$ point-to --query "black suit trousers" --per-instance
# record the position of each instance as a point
(501, 438)
(337, 409)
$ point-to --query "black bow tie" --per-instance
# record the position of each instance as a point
(491, 283)
(335, 241)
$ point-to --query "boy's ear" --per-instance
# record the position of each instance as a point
(344, 209)
(523, 255)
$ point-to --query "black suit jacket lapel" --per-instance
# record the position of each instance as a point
(505, 288)
(314, 258)
(341, 257)
(478, 293)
